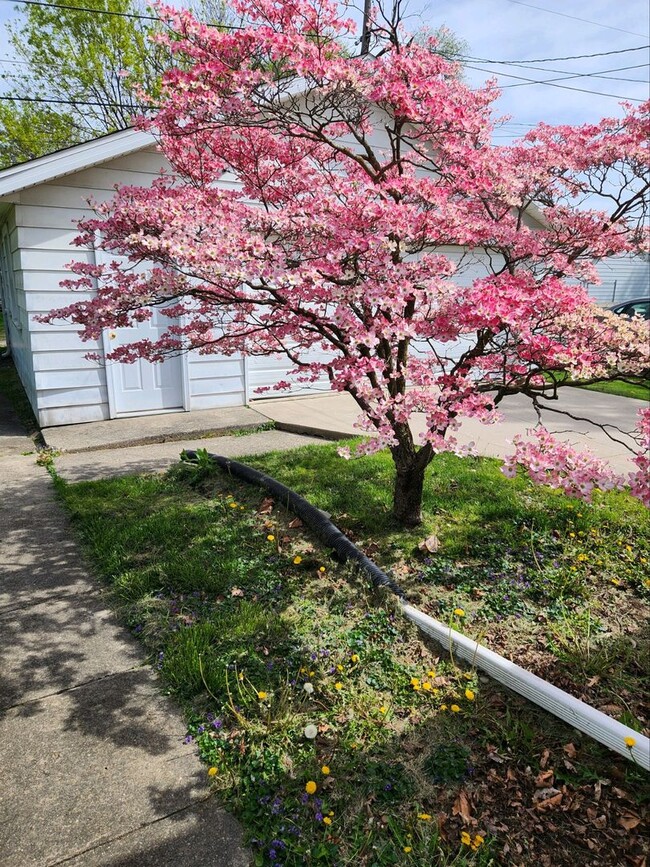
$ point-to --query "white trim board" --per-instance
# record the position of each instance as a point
(73, 159)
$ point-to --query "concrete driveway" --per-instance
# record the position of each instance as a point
(334, 415)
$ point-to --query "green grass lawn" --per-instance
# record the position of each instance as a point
(639, 389)
(296, 676)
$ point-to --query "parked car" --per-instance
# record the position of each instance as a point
(639, 306)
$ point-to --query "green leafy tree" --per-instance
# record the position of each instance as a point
(77, 57)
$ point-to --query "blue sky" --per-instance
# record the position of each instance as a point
(507, 30)
(515, 30)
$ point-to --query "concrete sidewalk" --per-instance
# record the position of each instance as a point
(166, 427)
(333, 416)
(94, 768)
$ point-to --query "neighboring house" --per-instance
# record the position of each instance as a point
(622, 279)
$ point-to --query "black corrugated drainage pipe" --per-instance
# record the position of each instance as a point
(317, 521)
(576, 713)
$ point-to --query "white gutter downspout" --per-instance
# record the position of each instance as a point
(569, 709)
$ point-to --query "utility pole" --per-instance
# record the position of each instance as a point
(365, 32)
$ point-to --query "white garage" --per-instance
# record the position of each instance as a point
(40, 204)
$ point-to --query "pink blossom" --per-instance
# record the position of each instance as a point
(316, 203)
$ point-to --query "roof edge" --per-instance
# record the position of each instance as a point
(72, 159)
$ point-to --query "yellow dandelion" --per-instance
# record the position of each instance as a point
(355, 657)
(383, 709)
(325, 771)
(338, 685)
(465, 839)
(424, 816)
(629, 742)
(327, 820)
(469, 695)
(233, 505)
(477, 841)
(261, 695)
(311, 787)
(454, 708)
(572, 535)
(270, 538)
(459, 612)
(339, 667)
(426, 685)
(297, 560)
(431, 673)
(212, 772)
(322, 569)
(582, 558)
(443, 707)
(616, 582)
(408, 849)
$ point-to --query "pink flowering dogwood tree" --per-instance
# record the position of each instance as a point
(356, 177)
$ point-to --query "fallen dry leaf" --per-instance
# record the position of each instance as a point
(462, 807)
(570, 750)
(543, 761)
(266, 506)
(295, 524)
(430, 544)
(545, 779)
(611, 709)
(628, 821)
(546, 799)
(236, 592)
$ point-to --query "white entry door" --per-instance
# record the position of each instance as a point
(143, 387)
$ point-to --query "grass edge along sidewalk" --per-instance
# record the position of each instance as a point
(331, 728)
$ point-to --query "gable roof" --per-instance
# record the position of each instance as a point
(73, 159)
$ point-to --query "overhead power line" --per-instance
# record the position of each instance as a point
(47, 100)
(136, 15)
(562, 86)
(554, 59)
(92, 11)
(569, 75)
(575, 18)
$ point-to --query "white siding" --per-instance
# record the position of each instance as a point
(16, 317)
(215, 381)
(67, 388)
(623, 278)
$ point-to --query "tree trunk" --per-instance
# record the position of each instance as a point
(407, 497)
